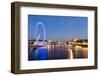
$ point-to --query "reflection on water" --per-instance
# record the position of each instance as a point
(43, 53)
(55, 52)
(39, 53)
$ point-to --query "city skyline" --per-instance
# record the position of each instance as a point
(59, 27)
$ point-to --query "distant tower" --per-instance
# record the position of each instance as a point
(74, 39)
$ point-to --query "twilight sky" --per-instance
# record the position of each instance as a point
(59, 27)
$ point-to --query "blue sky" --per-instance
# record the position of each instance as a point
(59, 27)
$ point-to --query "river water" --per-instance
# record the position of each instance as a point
(52, 52)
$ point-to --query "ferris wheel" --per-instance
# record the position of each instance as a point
(40, 33)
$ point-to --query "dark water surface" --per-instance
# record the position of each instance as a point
(57, 52)
(51, 52)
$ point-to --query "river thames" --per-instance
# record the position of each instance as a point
(52, 52)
